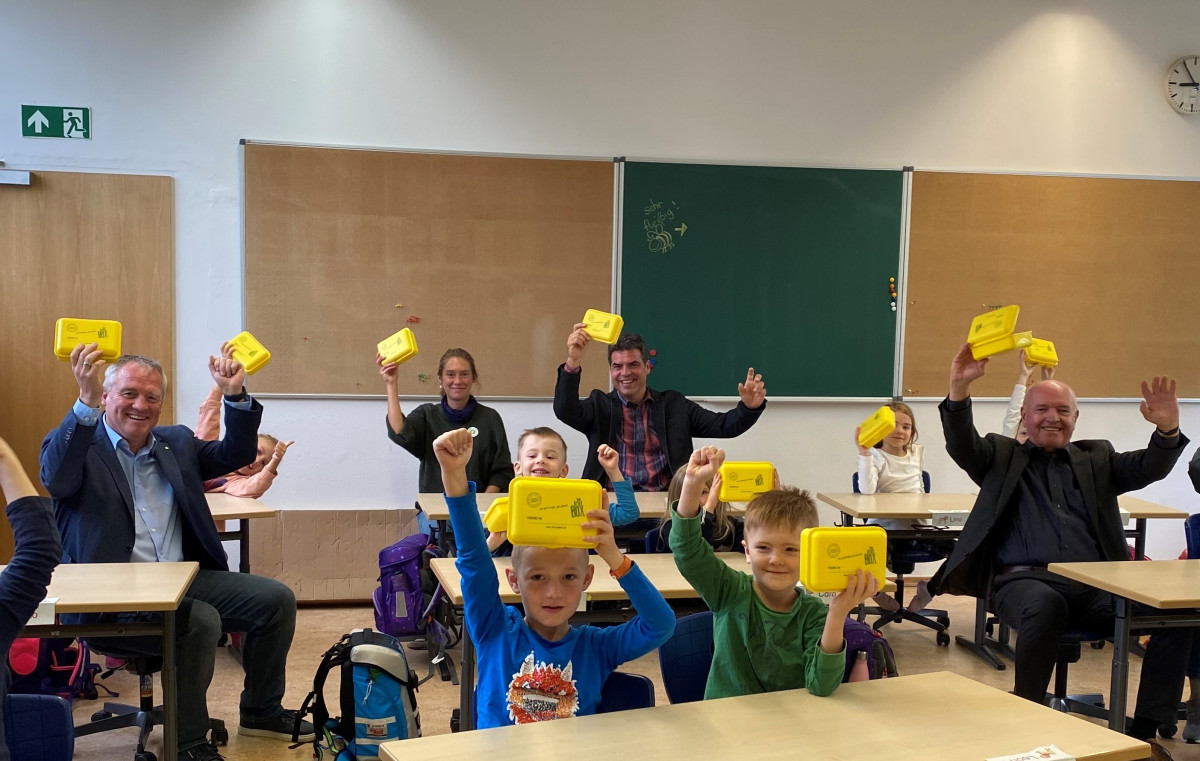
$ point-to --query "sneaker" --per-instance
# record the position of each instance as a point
(203, 752)
(1191, 731)
(279, 728)
(921, 599)
(886, 602)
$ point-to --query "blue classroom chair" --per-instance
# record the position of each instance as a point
(686, 658)
(39, 728)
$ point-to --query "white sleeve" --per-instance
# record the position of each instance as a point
(1012, 417)
(868, 473)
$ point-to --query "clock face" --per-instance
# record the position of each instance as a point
(1183, 87)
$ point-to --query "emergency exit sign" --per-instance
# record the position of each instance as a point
(70, 122)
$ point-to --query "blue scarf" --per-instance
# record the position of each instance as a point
(459, 416)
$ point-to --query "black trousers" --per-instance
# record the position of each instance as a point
(1041, 606)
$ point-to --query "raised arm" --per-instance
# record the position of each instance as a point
(568, 407)
(965, 446)
(1137, 469)
(390, 373)
(64, 450)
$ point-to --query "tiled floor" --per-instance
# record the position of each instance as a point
(319, 628)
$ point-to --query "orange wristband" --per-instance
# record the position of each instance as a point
(622, 569)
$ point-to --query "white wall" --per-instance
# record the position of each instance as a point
(1032, 85)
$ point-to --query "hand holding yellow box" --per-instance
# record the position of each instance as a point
(69, 332)
(992, 333)
(252, 354)
(876, 428)
(550, 512)
(602, 326)
(398, 347)
(829, 555)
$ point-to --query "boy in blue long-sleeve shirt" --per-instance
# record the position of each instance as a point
(539, 667)
(38, 549)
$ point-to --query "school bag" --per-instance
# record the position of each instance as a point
(399, 599)
(859, 637)
(377, 697)
(53, 666)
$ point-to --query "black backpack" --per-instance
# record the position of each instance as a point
(377, 695)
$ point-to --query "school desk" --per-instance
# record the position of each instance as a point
(1171, 586)
(651, 504)
(225, 507)
(125, 588)
(901, 719)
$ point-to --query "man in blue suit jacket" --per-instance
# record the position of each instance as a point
(128, 490)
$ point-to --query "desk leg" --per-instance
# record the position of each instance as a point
(170, 698)
(466, 689)
(244, 545)
(847, 519)
(1139, 541)
(1120, 667)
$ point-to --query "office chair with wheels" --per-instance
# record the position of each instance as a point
(1069, 650)
(902, 559)
(145, 716)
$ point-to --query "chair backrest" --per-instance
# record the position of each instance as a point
(686, 658)
(39, 728)
(924, 481)
(1191, 532)
(653, 539)
(623, 692)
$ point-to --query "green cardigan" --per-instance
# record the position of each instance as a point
(756, 649)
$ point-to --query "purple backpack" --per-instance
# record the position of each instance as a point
(399, 599)
(880, 660)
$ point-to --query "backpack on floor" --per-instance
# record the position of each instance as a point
(52, 666)
(860, 637)
(399, 598)
(377, 697)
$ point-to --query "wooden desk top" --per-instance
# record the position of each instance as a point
(896, 504)
(1163, 584)
(228, 508)
(651, 504)
(659, 568)
(1140, 508)
(865, 720)
(120, 587)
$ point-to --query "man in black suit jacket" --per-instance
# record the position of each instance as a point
(128, 490)
(1053, 500)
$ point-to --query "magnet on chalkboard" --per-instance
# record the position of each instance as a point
(654, 352)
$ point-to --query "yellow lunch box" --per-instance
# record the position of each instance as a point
(1011, 342)
(69, 332)
(876, 428)
(398, 347)
(831, 554)
(550, 512)
(247, 350)
(740, 481)
(602, 326)
(1041, 352)
(496, 517)
(992, 332)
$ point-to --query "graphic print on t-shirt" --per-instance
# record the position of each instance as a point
(540, 692)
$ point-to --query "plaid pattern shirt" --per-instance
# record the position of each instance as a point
(641, 456)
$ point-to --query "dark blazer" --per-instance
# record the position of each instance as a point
(676, 419)
(93, 504)
(995, 463)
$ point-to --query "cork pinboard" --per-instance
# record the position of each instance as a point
(79, 245)
(500, 256)
(1105, 268)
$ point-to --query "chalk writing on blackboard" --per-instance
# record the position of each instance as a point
(664, 229)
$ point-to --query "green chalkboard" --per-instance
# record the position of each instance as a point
(783, 268)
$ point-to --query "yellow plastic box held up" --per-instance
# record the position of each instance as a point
(875, 428)
(740, 481)
(602, 326)
(252, 354)
(69, 332)
(496, 517)
(831, 554)
(992, 333)
(550, 512)
(1041, 352)
(398, 347)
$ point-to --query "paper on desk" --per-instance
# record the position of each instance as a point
(1044, 753)
(44, 614)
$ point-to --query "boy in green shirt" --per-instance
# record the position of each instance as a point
(767, 634)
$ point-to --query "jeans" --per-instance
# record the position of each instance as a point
(216, 602)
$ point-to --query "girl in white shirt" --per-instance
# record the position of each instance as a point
(896, 465)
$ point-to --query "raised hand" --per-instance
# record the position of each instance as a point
(280, 450)
(1160, 404)
(714, 494)
(864, 451)
(89, 373)
(964, 370)
(453, 449)
(609, 459)
(389, 370)
(576, 343)
(598, 528)
(1024, 369)
(753, 391)
(859, 588)
(227, 373)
